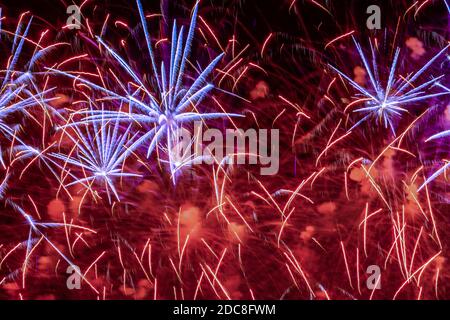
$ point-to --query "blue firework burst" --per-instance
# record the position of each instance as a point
(389, 100)
(18, 86)
(167, 106)
(100, 149)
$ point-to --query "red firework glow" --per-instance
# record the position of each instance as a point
(352, 113)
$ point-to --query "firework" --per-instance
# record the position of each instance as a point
(385, 102)
(168, 109)
(100, 154)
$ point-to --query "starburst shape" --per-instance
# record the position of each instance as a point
(167, 106)
(18, 84)
(99, 152)
(389, 100)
